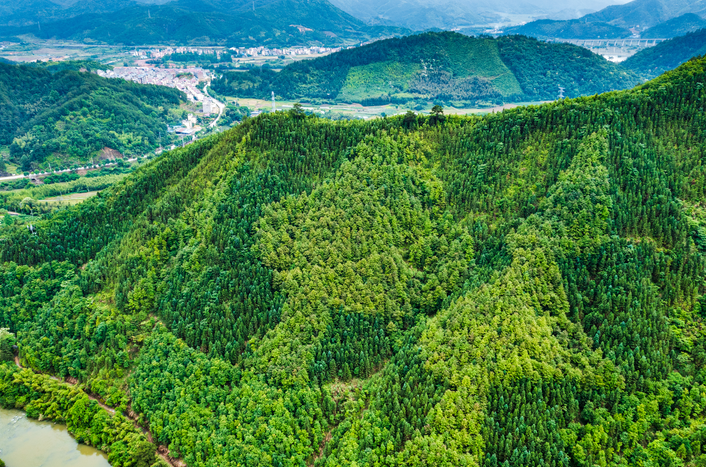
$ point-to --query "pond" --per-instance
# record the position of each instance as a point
(29, 443)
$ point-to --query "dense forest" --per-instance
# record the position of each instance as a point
(668, 55)
(55, 113)
(440, 67)
(520, 289)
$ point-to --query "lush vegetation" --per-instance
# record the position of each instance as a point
(273, 23)
(437, 67)
(75, 65)
(63, 117)
(27, 199)
(668, 55)
(42, 396)
(521, 289)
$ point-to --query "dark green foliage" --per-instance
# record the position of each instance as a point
(198, 58)
(437, 66)
(72, 115)
(7, 345)
(215, 22)
(542, 67)
(71, 65)
(668, 55)
(521, 289)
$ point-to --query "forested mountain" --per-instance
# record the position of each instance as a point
(223, 22)
(570, 29)
(646, 13)
(448, 14)
(657, 18)
(56, 114)
(28, 12)
(447, 67)
(668, 55)
(678, 26)
(521, 289)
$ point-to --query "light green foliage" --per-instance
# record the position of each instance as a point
(42, 396)
(68, 117)
(376, 80)
(13, 199)
(373, 241)
(434, 67)
(521, 289)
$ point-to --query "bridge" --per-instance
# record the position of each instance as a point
(600, 43)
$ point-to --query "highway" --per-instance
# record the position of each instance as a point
(88, 167)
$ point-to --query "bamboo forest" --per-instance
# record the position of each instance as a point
(524, 288)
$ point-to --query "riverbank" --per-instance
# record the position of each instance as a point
(30, 443)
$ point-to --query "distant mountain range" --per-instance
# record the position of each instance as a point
(29, 12)
(674, 27)
(223, 22)
(438, 67)
(655, 18)
(448, 14)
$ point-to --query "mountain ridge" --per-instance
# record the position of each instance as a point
(523, 288)
(437, 66)
(63, 116)
(213, 22)
(620, 21)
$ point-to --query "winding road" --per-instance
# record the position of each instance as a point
(88, 167)
(221, 107)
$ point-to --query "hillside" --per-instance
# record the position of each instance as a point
(52, 114)
(445, 67)
(646, 13)
(678, 26)
(221, 22)
(659, 19)
(571, 29)
(521, 289)
(29, 12)
(668, 55)
(422, 15)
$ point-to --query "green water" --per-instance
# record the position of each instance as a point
(29, 443)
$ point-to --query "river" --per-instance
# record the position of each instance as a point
(28, 443)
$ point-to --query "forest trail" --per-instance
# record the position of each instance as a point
(162, 450)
